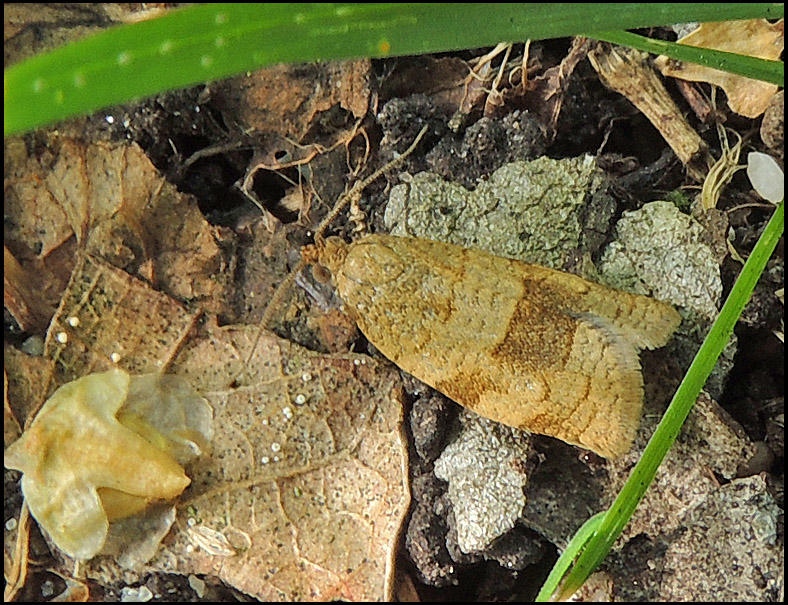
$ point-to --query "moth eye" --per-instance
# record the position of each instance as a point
(372, 263)
(321, 274)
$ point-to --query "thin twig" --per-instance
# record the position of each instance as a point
(16, 576)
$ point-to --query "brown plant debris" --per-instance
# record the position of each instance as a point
(99, 450)
(626, 71)
(109, 318)
(305, 486)
(117, 205)
(754, 38)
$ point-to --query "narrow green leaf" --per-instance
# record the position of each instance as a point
(564, 562)
(750, 67)
(210, 41)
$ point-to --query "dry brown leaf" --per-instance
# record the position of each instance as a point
(773, 125)
(546, 95)
(289, 99)
(11, 427)
(120, 208)
(755, 38)
(304, 493)
(337, 331)
(107, 318)
(23, 302)
(262, 264)
(306, 486)
(294, 114)
(28, 383)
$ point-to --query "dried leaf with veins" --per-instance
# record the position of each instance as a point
(115, 203)
(304, 485)
(304, 492)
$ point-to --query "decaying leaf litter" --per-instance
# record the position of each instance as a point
(480, 147)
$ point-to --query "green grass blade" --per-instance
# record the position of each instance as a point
(573, 549)
(616, 518)
(211, 41)
(750, 67)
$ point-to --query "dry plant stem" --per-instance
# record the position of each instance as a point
(494, 97)
(209, 151)
(312, 151)
(474, 85)
(484, 59)
(722, 171)
(17, 574)
(524, 67)
(627, 72)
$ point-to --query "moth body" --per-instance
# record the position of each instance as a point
(528, 346)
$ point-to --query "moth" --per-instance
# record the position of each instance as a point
(524, 345)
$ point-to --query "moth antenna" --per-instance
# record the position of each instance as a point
(355, 192)
(275, 299)
(353, 195)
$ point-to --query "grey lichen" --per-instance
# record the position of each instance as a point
(486, 470)
(660, 252)
(535, 211)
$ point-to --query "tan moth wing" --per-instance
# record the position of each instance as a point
(533, 348)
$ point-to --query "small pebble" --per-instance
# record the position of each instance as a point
(33, 346)
(197, 585)
(131, 594)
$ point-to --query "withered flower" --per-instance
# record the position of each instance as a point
(104, 447)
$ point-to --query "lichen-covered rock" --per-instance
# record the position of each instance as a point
(730, 549)
(542, 211)
(661, 252)
(486, 469)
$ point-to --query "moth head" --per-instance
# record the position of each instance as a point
(326, 257)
